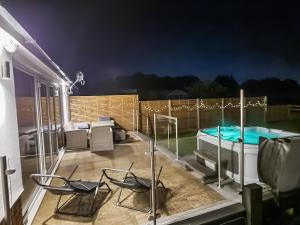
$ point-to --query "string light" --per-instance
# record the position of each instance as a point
(202, 105)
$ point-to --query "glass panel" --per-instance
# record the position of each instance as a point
(58, 117)
(25, 101)
(45, 126)
(53, 122)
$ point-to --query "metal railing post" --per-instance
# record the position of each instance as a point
(169, 111)
(137, 121)
(169, 107)
(133, 119)
(219, 157)
(265, 109)
(198, 113)
(223, 113)
(168, 136)
(177, 145)
(155, 141)
(4, 178)
(147, 125)
(241, 158)
(153, 183)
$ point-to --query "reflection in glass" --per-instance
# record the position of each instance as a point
(57, 104)
(45, 126)
(25, 102)
(53, 124)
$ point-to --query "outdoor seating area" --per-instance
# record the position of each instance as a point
(184, 191)
(98, 136)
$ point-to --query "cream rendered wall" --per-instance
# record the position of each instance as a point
(9, 137)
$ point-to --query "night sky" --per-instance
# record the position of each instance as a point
(204, 38)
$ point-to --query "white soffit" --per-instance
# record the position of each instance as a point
(24, 60)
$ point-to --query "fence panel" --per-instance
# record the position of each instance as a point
(130, 113)
(277, 113)
(212, 112)
(90, 108)
(125, 108)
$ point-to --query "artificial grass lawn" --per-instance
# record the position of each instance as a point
(187, 143)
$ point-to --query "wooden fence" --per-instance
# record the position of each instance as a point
(278, 113)
(132, 114)
(192, 114)
(90, 108)
(195, 114)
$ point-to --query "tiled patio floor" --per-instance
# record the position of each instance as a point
(186, 191)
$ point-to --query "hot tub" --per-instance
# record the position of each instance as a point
(207, 142)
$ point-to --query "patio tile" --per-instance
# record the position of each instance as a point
(186, 191)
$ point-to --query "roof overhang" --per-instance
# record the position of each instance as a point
(23, 58)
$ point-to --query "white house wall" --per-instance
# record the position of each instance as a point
(25, 61)
(9, 144)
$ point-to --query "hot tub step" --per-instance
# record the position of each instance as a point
(206, 156)
(208, 175)
(210, 160)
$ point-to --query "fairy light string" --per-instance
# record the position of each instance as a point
(202, 105)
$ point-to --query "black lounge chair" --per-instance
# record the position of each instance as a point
(73, 188)
(133, 183)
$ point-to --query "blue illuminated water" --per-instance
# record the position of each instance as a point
(251, 134)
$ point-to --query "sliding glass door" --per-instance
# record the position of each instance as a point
(28, 133)
(51, 124)
(45, 126)
(40, 133)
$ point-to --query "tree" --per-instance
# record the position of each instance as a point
(278, 91)
(205, 89)
(229, 83)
